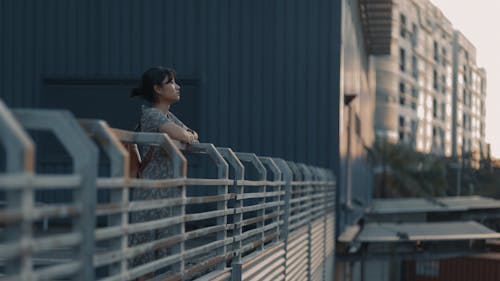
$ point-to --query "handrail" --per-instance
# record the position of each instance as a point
(278, 224)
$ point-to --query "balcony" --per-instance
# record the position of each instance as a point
(244, 217)
(376, 17)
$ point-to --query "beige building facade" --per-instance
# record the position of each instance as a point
(430, 92)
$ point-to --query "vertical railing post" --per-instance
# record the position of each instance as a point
(323, 179)
(179, 171)
(119, 168)
(238, 175)
(262, 175)
(309, 203)
(296, 228)
(287, 177)
(276, 177)
(84, 154)
(222, 173)
(19, 149)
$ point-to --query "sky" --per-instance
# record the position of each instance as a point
(478, 20)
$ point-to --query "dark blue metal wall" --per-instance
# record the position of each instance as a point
(266, 72)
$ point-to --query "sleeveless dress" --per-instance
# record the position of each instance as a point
(159, 167)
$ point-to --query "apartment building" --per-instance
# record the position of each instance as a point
(430, 92)
(469, 82)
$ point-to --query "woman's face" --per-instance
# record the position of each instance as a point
(168, 91)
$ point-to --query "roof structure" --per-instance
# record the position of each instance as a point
(426, 205)
(414, 227)
(430, 231)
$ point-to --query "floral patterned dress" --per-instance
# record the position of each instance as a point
(159, 167)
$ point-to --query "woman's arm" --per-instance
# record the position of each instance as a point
(179, 133)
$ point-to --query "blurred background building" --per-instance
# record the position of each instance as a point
(469, 84)
(430, 92)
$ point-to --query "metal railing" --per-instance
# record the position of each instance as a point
(244, 217)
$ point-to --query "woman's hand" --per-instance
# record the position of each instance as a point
(193, 136)
(179, 133)
(193, 133)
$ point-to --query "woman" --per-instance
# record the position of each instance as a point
(160, 89)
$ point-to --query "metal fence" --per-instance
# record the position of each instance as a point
(244, 218)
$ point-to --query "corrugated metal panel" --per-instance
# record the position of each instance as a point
(265, 66)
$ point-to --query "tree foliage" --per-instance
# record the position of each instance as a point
(400, 171)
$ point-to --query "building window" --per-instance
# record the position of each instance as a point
(434, 108)
(443, 111)
(402, 59)
(443, 84)
(444, 54)
(402, 100)
(414, 37)
(413, 105)
(402, 27)
(414, 92)
(465, 74)
(402, 87)
(414, 67)
(435, 80)
(414, 126)
(436, 51)
(401, 121)
(401, 136)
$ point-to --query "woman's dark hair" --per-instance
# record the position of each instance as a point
(150, 78)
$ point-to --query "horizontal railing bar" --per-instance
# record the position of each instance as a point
(52, 272)
(257, 243)
(259, 195)
(205, 264)
(108, 258)
(36, 245)
(259, 183)
(296, 183)
(253, 232)
(257, 219)
(171, 259)
(217, 275)
(142, 205)
(39, 182)
(209, 182)
(163, 183)
(110, 232)
(121, 182)
(258, 207)
(294, 226)
(59, 211)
